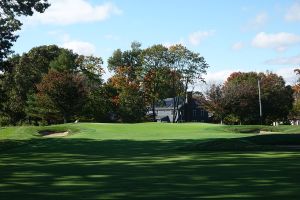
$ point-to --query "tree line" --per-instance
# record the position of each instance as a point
(237, 101)
(50, 84)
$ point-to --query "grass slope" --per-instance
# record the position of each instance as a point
(141, 161)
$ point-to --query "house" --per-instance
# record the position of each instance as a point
(189, 111)
(194, 112)
(165, 110)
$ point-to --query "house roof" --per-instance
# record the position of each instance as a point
(169, 103)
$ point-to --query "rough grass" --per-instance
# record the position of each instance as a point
(143, 161)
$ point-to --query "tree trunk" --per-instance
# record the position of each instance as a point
(185, 98)
(185, 90)
(174, 109)
(175, 98)
(153, 109)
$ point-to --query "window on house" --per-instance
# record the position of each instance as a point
(194, 113)
(202, 113)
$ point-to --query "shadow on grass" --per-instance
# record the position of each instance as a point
(268, 142)
(125, 169)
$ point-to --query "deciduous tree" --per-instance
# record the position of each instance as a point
(154, 59)
(241, 97)
(127, 81)
(189, 65)
(20, 77)
(10, 10)
(213, 101)
(65, 91)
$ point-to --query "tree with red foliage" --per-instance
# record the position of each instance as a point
(241, 97)
(64, 91)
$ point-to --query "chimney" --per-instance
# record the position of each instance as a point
(189, 96)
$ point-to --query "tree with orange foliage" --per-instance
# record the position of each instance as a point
(127, 81)
(130, 98)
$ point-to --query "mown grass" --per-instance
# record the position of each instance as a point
(270, 142)
(143, 161)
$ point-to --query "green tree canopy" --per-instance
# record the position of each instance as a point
(9, 24)
(18, 83)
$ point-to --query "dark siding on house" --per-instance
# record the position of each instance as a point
(193, 111)
(187, 112)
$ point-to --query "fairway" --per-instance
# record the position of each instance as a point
(141, 161)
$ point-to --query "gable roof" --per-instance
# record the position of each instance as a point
(169, 102)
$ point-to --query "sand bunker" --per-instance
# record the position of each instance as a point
(51, 134)
(267, 132)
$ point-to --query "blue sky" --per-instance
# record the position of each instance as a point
(232, 35)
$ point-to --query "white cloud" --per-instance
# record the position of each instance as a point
(169, 44)
(238, 46)
(78, 46)
(83, 48)
(212, 77)
(293, 13)
(293, 60)
(218, 76)
(288, 75)
(278, 41)
(64, 12)
(194, 38)
(197, 37)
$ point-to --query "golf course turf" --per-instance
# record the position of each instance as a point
(149, 161)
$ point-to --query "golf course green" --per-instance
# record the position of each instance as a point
(150, 161)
